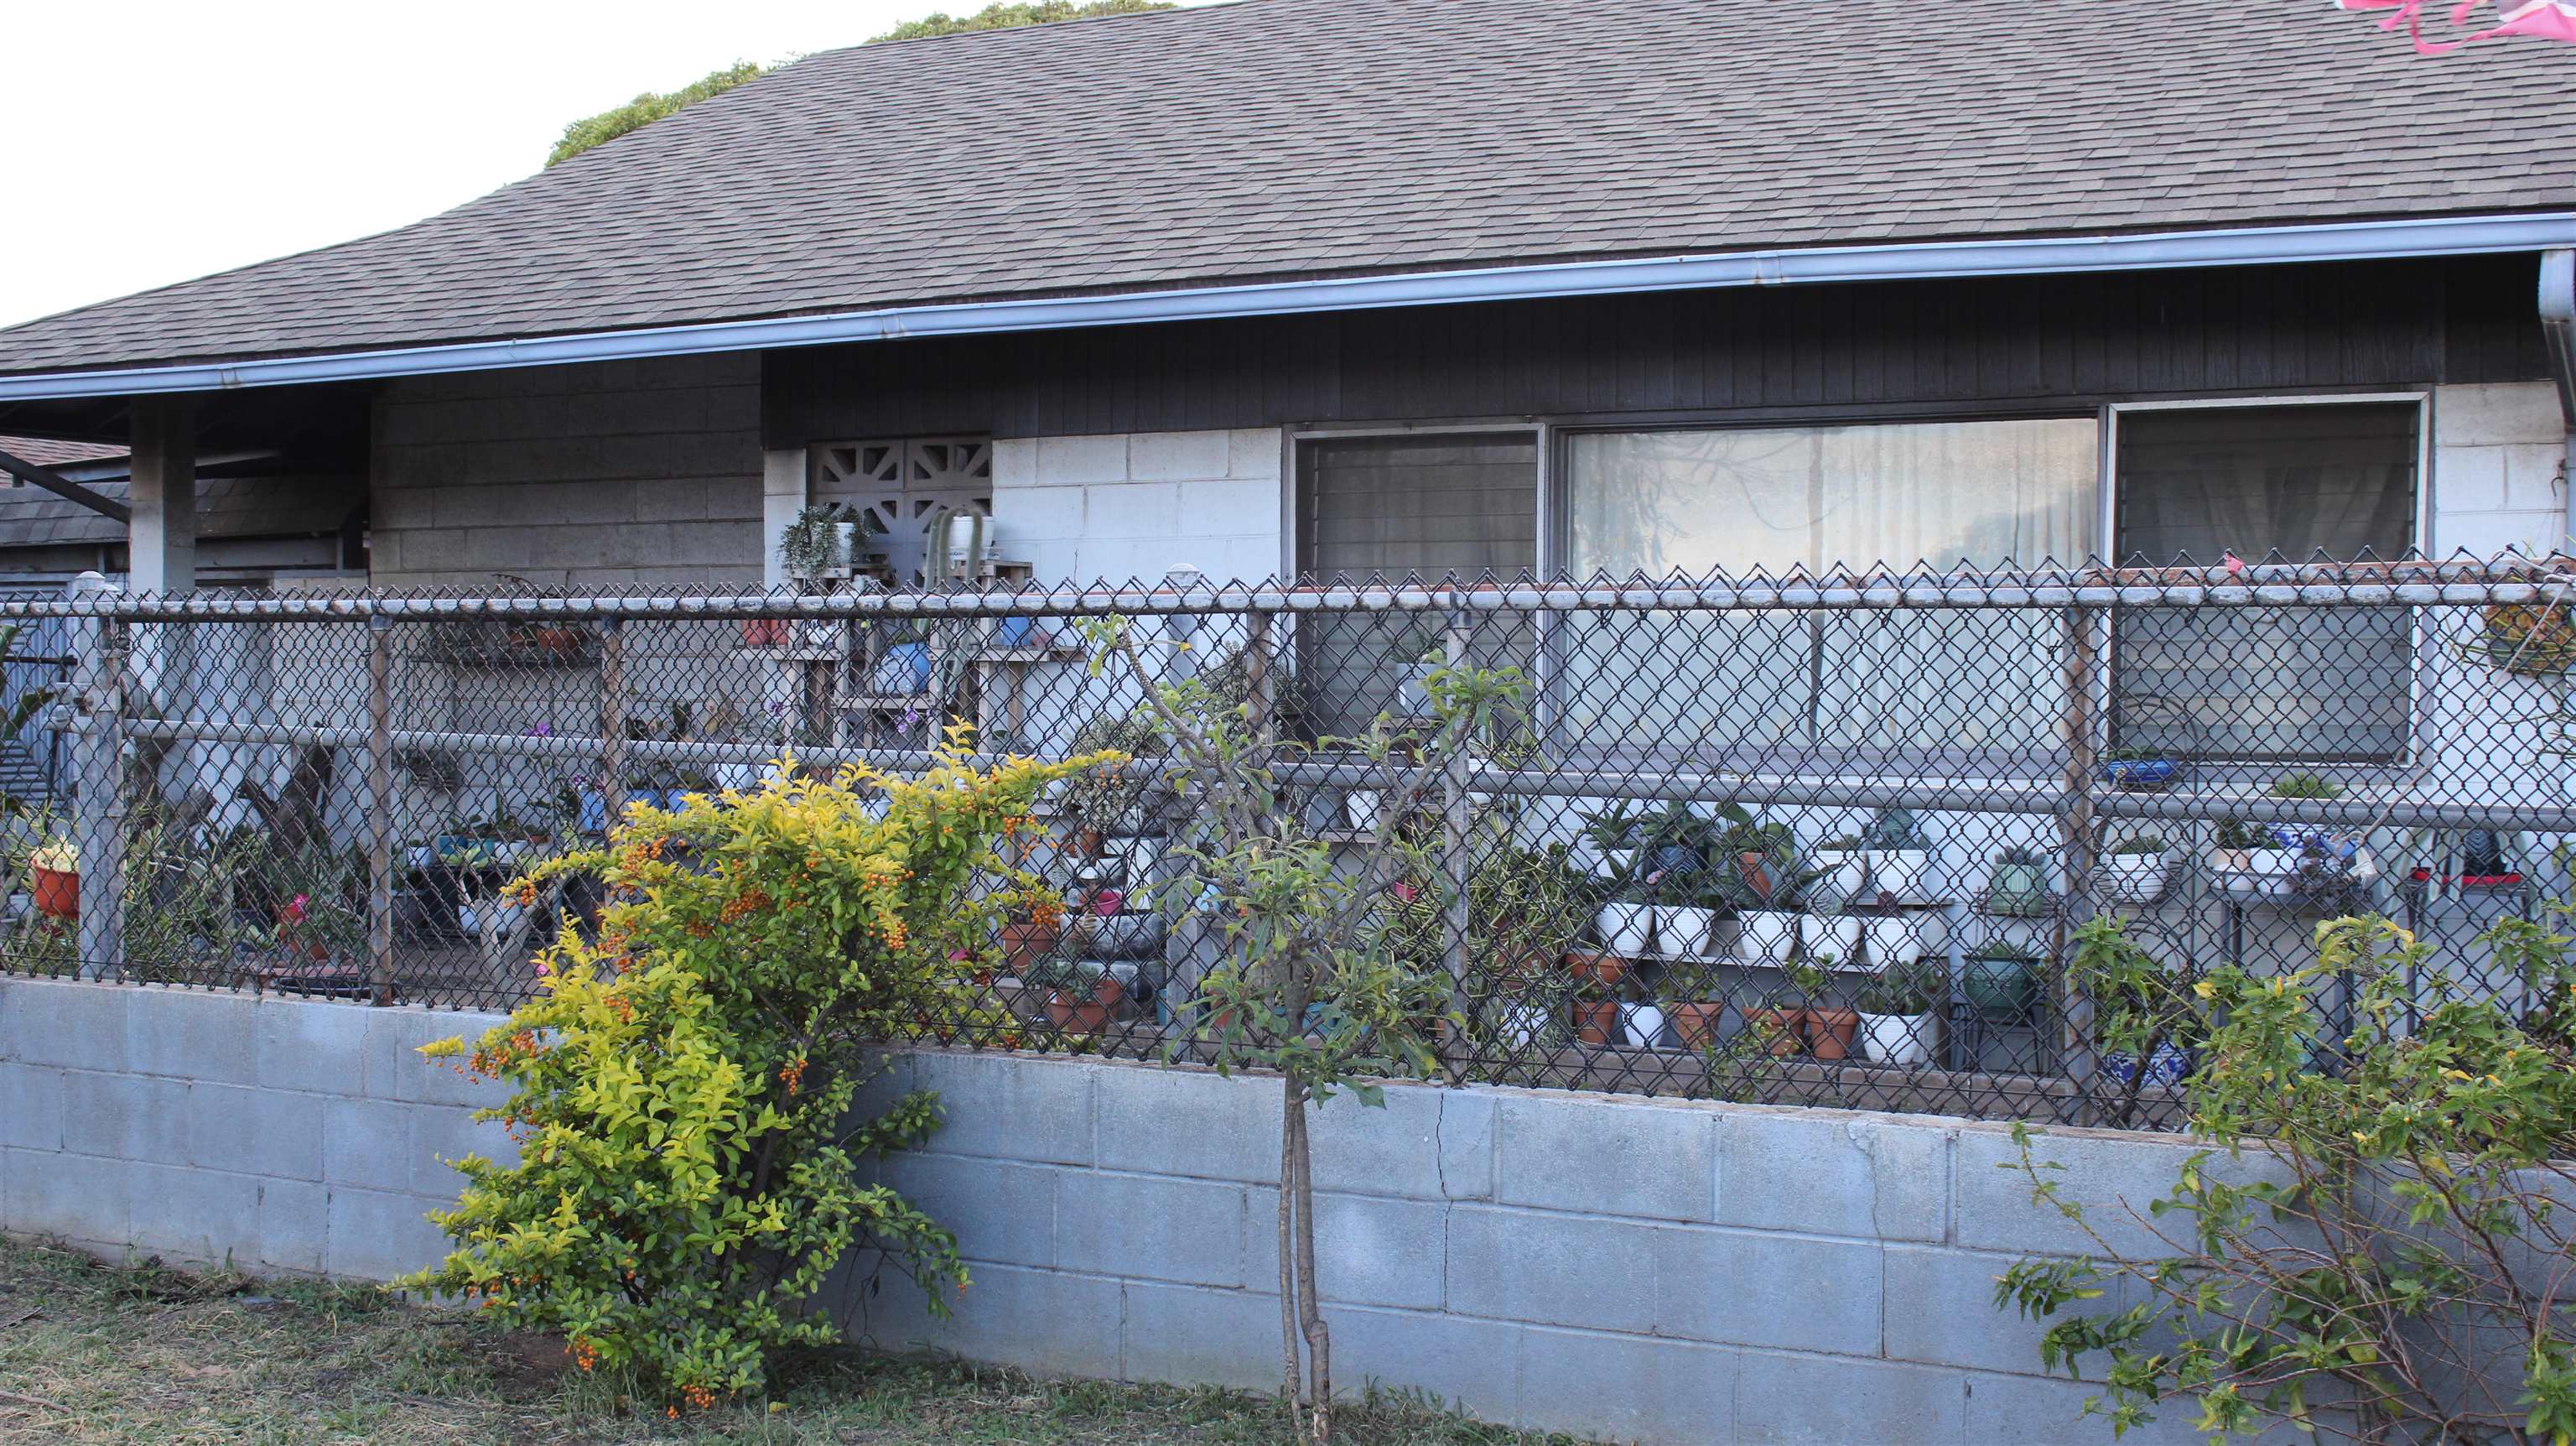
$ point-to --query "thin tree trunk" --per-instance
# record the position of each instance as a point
(1292, 1107)
(1319, 1345)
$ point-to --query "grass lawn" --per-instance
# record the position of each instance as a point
(101, 1355)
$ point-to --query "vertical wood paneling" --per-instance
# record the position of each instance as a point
(2024, 341)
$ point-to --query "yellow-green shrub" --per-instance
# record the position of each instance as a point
(684, 1077)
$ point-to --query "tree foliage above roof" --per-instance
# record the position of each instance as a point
(643, 110)
(1008, 14)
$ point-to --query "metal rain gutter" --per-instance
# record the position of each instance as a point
(2558, 327)
(2252, 246)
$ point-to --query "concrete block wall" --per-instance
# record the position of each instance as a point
(2499, 458)
(276, 1135)
(1625, 1269)
(1123, 506)
(599, 475)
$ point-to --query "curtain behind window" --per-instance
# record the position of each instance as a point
(2303, 683)
(1809, 498)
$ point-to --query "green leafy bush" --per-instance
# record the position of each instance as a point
(684, 1079)
(2378, 1248)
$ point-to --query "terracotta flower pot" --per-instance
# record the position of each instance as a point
(1080, 1014)
(1829, 1032)
(764, 632)
(1783, 1031)
(57, 892)
(1596, 1022)
(1695, 1024)
(1026, 941)
(1605, 970)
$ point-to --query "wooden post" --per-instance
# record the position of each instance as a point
(2076, 851)
(380, 813)
(612, 719)
(1256, 672)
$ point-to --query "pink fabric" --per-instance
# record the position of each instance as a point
(2548, 19)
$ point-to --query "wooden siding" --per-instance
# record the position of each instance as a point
(2005, 344)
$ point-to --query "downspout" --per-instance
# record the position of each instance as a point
(2558, 328)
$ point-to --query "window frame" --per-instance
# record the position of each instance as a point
(1554, 499)
(2420, 525)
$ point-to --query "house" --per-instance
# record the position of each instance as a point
(1390, 285)
(1468, 286)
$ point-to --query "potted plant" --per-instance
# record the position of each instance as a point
(1613, 835)
(1029, 937)
(1694, 1007)
(1842, 864)
(1888, 937)
(2019, 888)
(822, 543)
(2140, 770)
(1686, 915)
(55, 866)
(1901, 855)
(1082, 995)
(1899, 1011)
(2000, 978)
(1760, 882)
(2134, 868)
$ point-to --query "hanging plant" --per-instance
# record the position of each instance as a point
(824, 539)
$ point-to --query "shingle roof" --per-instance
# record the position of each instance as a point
(45, 452)
(226, 507)
(1273, 138)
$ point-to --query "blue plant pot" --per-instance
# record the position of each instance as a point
(2141, 772)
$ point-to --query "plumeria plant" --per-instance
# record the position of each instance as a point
(683, 1082)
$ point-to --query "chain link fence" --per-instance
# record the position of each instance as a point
(1810, 840)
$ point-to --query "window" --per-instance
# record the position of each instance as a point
(2199, 483)
(1983, 493)
(1424, 505)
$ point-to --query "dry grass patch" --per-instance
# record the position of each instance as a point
(124, 1355)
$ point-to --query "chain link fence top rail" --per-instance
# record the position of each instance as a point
(1805, 838)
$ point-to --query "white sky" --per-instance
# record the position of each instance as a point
(153, 142)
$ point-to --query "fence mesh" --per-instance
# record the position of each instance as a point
(1804, 839)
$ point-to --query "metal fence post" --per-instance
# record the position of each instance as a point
(2076, 850)
(1454, 821)
(95, 710)
(612, 718)
(380, 815)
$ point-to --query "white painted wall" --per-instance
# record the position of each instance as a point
(2499, 459)
(1140, 505)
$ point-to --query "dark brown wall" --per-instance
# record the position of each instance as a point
(2012, 343)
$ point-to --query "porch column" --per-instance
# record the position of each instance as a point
(161, 541)
(782, 496)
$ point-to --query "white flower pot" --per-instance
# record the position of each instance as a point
(1643, 1024)
(1892, 941)
(2134, 878)
(1625, 928)
(1837, 935)
(1683, 930)
(1360, 806)
(1904, 1039)
(1765, 934)
(1841, 872)
(1523, 1023)
(1909, 874)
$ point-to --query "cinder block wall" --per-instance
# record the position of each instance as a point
(277, 1135)
(1139, 505)
(608, 474)
(2498, 452)
(1628, 1269)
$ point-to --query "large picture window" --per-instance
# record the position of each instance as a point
(2203, 483)
(1983, 493)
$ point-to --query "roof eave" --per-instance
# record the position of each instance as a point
(1913, 261)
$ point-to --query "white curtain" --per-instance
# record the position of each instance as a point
(1811, 498)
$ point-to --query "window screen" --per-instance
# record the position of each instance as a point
(1422, 506)
(2305, 683)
